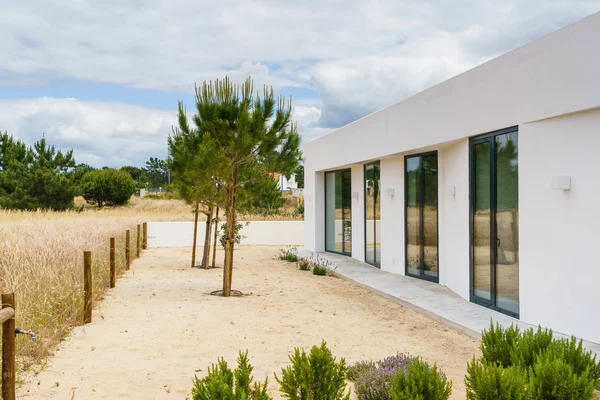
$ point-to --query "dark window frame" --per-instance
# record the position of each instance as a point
(422, 275)
(377, 263)
(483, 138)
(348, 170)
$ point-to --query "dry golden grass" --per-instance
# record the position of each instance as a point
(41, 261)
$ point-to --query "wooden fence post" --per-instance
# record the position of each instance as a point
(113, 267)
(139, 240)
(145, 237)
(8, 351)
(127, 250)
(87, 287)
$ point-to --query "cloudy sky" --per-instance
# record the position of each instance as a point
(103, 77)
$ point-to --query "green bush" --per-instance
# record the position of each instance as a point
(316, 376)
(498, 343)
(304, 265)
(107, 187)
(573, 353)
(319, 270)
(552, 378)
(529, 345)
(223, 384)
(551, 368)
(492, 382)
(420, 382)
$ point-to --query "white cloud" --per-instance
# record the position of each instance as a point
(360, 55)
(112, 134)
(101, 133)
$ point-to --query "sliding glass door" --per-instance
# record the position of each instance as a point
(372, 215)
(421, 216)
(495, 221)
(338, 212)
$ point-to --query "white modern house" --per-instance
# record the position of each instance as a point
(488, 183)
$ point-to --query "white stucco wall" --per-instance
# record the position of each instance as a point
(392, 214)
(560, 230)
(453, 162)
(181, 234)
(358, 212)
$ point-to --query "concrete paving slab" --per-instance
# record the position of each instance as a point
(431, 299)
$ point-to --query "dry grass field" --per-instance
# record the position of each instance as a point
(41, 261)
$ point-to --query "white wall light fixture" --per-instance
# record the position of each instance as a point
(451, 190)
(389, 192)
(561, 182)
(355, 195)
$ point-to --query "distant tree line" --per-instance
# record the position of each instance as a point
(42, 177)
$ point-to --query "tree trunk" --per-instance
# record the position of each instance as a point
(195, 234)
(229, 243)
(215, 238)
(206, 254)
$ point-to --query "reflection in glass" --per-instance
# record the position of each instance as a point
(347, 211)
(413, 216)
(430, 215)
(507, 223)
(330, 211)
(481, 221)
(372, 209)
(338, 212)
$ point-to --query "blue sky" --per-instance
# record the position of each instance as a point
(107, 91)
(104, 78)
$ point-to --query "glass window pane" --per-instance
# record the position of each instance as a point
(372, 208)
(507, 223)
(370, 214)
(347, 211)
(481, 221)
(430, 215)
(377, 214)
(330, 216)
(413, 216)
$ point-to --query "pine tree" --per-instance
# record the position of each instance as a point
(239, 138)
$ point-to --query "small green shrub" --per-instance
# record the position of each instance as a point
(492, 382)
(552, 378)
(498, 343)
(316, 376)
(223, 384)
(304, 265)
(529, 345)
(319, 270)
(289, 255)
(420, 382)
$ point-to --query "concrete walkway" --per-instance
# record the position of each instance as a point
(431, 299)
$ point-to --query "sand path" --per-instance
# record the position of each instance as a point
(159, 327)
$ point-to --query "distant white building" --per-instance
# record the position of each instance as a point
(487, 183)
(284, 184)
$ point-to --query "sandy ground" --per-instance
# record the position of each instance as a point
(159, 327)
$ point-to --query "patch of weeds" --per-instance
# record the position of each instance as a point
(290, 254)
(319, 270)
(304, 264)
